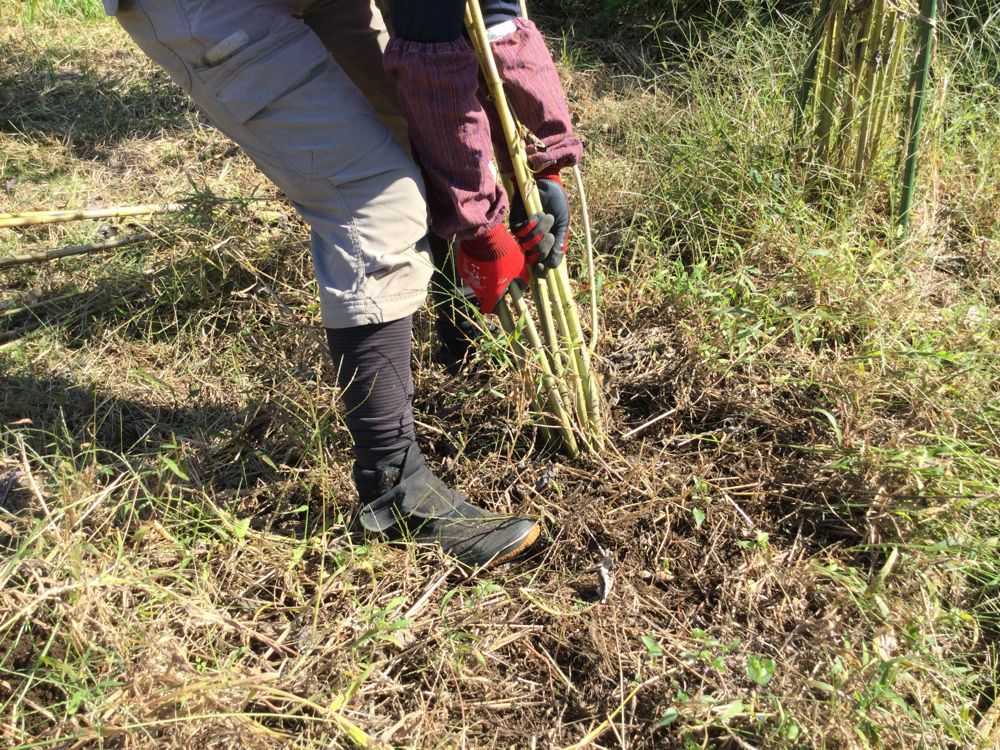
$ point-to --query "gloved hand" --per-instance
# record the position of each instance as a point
(556, 206)
(490, 264)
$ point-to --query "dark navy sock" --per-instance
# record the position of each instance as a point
(376, 382)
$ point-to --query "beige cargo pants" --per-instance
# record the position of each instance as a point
(299, 85)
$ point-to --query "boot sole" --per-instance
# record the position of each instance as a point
(529, 539)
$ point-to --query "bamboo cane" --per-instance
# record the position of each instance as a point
(876, 47)
(808, 85)
(592, 396)
(12, 312)
(32, 218)
(894, 50)
(833, 50)
(919, 79)
(62, 252)
(553, 396)
(565, 313)
(857, 40)
(556, 280)
(588, 240)
(553, 347)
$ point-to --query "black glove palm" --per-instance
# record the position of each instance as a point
(556, 206)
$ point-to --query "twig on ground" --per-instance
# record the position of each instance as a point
(650, 423)
(605, 572)
(601, 728)
(63, 252)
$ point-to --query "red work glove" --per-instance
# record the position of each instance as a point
(556, 206)
(492, 263)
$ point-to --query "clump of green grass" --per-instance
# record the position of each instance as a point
(45, 12)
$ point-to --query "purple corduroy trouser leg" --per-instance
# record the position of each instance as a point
(438, 85)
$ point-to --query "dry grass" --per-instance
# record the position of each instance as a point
(805, 545)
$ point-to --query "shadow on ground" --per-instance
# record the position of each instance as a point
(43, 98)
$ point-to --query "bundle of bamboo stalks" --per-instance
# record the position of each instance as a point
(852, 84)
(567, 387)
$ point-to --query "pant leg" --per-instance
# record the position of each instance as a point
(355, 33)
(376, 387)
(267, 81)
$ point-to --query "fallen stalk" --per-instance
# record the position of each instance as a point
(34, 218)
(63, 252)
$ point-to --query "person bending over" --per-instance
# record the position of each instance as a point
(338, 114)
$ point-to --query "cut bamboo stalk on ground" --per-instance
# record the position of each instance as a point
(62, 252)
(34, 218)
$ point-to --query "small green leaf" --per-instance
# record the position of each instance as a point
(699, 517)
(732, 710)
(669, 717)
(240, 529)
(653, 649)
(175, 468)
(833, 424)
(760, 669)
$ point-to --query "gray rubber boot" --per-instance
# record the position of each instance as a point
(402, 498)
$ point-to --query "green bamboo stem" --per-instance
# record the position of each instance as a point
(831, 77)
(32, 218)
(808, 85)
(919, 78)
(548, 382)
(550, 285)
(871, 69)
(855, 98)
(553, 351)
(554, 348)
(591, 270)
(855, 40)
(894, 52)
(595, 424)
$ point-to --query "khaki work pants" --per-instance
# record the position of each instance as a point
(299, 85)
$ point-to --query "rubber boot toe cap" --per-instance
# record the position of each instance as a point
(482, 542)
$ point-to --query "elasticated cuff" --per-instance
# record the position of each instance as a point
(492, 245)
